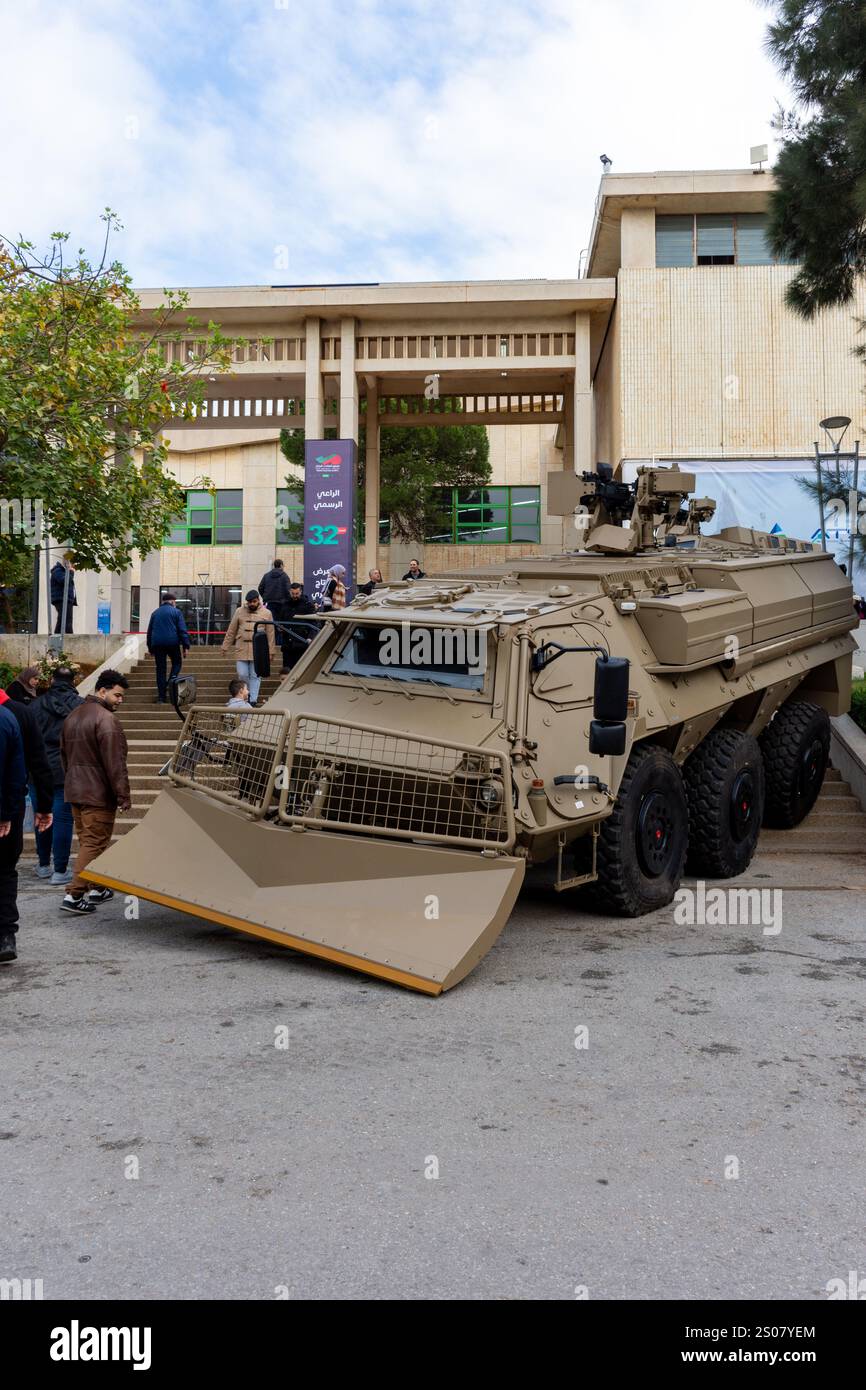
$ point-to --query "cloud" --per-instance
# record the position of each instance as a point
(375, 140)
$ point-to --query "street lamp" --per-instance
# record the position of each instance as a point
(835, 428)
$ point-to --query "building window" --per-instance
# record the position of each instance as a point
(290, 518)
(485, 516)
(713, 239)
(675, 241)
(209, 519)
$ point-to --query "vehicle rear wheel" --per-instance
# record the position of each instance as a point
(642, 844)
(725, 784)
(796, 749)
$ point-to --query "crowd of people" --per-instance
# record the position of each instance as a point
(69, 755)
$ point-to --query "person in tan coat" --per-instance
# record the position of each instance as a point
(93, 753)
(238, 640)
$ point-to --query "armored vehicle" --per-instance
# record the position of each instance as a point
(603, 720)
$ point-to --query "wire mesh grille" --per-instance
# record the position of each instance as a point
(232, 754)
(371, 780)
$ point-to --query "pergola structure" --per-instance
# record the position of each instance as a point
(488, 352)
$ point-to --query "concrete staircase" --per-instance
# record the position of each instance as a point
(835, 825)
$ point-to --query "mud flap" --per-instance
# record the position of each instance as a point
(416, 915)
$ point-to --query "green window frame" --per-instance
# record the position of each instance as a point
(209, 519)
(487, 516)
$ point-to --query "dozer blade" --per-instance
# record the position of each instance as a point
(416, 915)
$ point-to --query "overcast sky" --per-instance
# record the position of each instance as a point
(299, 141)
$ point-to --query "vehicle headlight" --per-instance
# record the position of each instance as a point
(490, 795)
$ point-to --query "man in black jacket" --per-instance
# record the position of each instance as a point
(374, 580)
(58, 584)
(274, 589)
(50, 710)
(166, 635)
(38, 772)
(13, 781)
(298, 604)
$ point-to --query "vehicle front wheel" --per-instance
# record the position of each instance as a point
(642, 845)
(796, 749)
(725, 783)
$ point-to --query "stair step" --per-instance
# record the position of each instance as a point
(834, 789)
(813, 839)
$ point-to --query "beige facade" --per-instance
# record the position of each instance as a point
(633, 361)
(706, 361)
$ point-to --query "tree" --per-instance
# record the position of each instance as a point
(82, 388)
(415, 461)
(818, 208)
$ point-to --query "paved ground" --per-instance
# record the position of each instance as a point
(304, 1168)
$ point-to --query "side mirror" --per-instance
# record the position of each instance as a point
(610, 694)
(606, 740)
(261, 653)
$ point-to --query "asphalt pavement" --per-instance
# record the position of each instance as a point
(605, 1109)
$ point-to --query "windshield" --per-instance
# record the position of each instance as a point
(454, 657)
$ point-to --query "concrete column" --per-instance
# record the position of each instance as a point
(149, 591)
(85, 618)
(568, 429)
(314, 406)
(46, 612)
(638, 238)
(583, 460)
(261, 471)
(120, 600)
(371, 480)
(348, 426)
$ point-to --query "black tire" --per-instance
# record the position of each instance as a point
(642, 844)
(796, 749)
(724, 780)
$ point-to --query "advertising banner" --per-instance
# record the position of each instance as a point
(766, 495)
(330, 470)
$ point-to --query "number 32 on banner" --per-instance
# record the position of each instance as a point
(323, 535)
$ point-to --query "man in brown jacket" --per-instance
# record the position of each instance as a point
(239, 640)
(96, 782)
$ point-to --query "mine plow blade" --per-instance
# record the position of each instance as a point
(417, 915)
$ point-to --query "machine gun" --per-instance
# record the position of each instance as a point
(655, 506)
(616, 498)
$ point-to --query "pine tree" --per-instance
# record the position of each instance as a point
(818, 209)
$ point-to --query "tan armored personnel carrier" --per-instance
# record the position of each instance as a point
(605, 719)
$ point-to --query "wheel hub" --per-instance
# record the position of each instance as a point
(655, 834)
(811, 765)
(742, 804)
